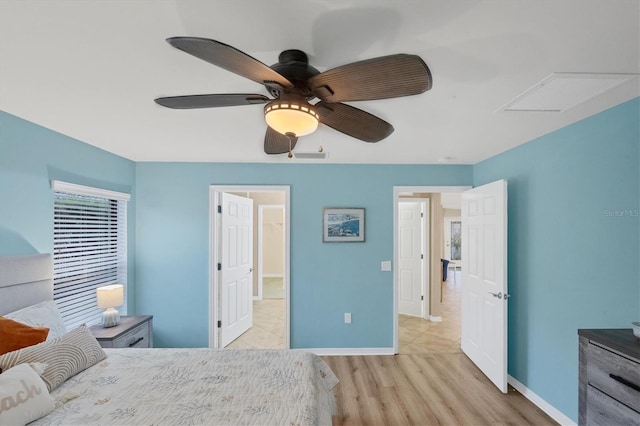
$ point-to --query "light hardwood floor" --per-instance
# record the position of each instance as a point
(439, 389)
(431, 382)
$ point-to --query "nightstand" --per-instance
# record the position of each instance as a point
(134, 331)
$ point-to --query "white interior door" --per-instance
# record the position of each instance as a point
(484, 280)
(236, 263)
(410, 258)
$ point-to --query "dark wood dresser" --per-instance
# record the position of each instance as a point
(609, 382)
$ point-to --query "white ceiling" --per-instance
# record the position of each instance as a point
(91, 69)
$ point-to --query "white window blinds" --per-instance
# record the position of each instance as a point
(89, 249)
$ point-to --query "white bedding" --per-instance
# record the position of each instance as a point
(198, 386)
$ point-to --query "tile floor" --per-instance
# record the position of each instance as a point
(418, 336)
(268, 327)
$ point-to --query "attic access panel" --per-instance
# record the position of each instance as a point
(560, 91)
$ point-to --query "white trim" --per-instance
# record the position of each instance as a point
(435, 319)
(214, 231)
(72, 188)
(397, 190)
(272, 276)
(349, 351)
(552, 411)
(431, 189)
(426, 256)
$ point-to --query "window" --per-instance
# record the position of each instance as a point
(456, 240)
(89, 249)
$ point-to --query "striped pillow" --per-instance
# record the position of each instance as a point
(66, 356)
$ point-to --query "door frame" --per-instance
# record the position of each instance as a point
(215, 235)
(397, 191)
(261, 209)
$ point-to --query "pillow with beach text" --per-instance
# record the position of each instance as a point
(23, 396)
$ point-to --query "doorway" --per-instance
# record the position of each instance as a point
(439, 329)
(270, 251)
(483, 311)
(265, 320)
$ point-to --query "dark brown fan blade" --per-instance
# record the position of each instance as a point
(231, 59)
(277, 143)
(211, 101)
(378, 78)
(353, 121)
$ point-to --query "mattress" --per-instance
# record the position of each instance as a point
(197, 387)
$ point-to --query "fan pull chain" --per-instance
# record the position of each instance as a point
(290, 136)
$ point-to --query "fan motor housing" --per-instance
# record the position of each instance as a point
(294, 65)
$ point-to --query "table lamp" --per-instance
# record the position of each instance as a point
(109, 297)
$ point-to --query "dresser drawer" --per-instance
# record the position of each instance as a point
(135, 338)
(606, 411)
(614, 375)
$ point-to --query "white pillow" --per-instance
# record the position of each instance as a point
(43, 314)
(23, 396)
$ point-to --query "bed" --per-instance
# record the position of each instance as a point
(156, 386)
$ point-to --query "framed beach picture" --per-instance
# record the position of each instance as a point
(342, 225)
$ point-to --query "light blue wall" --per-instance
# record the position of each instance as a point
(573, 263)
(30, 157)
(327, 280)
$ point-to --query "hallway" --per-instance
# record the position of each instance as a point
(419, 336)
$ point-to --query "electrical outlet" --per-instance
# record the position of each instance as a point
(347, 318)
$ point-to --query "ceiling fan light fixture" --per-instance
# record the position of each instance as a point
(286, 116)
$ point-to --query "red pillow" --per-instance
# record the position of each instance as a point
(15, 335)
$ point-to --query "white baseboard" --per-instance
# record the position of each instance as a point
(553, 412)
(349, 351)
(272, 276)
(435, 319)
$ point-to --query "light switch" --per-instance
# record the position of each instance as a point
(385, 265)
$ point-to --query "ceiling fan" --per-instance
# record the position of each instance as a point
(294, 84)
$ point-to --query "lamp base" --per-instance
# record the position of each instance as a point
(110, 318)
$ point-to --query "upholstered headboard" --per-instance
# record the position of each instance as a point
(24, 281)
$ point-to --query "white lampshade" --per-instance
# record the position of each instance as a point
(110, 296)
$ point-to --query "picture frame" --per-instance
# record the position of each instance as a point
(343, 225)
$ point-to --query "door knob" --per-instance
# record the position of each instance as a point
(500, 295)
